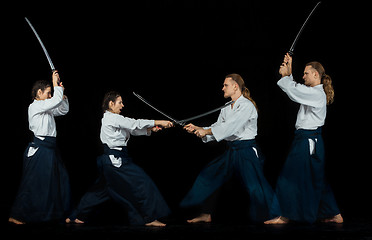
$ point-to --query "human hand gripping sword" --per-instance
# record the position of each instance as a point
(43, 47)
(291, 50)
(184, 121)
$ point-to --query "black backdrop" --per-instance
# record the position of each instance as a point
(176, 54)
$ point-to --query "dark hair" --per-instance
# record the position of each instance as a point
(245, 91)
(109, 96)
(40, 84)
(326, 81)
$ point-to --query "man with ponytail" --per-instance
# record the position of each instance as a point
(237, 125)
(303, 192)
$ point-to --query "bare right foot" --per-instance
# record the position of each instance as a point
(277, 220)
(155, 223)
(204, 217)
(336, 219)
(15, 221)
(68, 220)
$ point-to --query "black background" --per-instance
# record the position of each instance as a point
(176, 55)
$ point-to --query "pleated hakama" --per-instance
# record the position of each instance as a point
(128, 185)
(44, 192)
(242, 160)
(303, 192)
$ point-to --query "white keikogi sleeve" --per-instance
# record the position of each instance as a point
(209, 138)
(51, 103)
(136, 127)
(301, 93)
(230, 126)
(62, 109)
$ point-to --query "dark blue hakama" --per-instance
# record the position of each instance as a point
(127, 185)
(44, 192)
(303, 192)
(239, 159)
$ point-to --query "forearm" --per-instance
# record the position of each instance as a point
(158, 122)
(163, 123)
(63, 108)
(208, 131)
(286, 70)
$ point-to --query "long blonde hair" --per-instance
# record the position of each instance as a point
(245, 91)
(325, 79)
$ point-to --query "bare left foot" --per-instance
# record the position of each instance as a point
(336, 219)
(202, 218)
(155, 223)
(277, 220)
(68, 220)
(15, 221)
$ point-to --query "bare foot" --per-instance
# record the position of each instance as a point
(155, 223)
(15, 221)
(336, 219)
(277, 220)
(204, 217)
(68, 220)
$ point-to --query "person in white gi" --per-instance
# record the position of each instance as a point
(44, 192)
(120, 178)
(237, 125)
(303, 192)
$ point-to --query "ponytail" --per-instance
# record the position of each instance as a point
(328, 88)
(245, 91)
(325, 80)
(247, 94)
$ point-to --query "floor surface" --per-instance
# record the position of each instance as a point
(351, 229)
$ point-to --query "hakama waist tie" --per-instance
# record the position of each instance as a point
(48, 142)
(238, 145)
(304, 133)
(117, 154)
